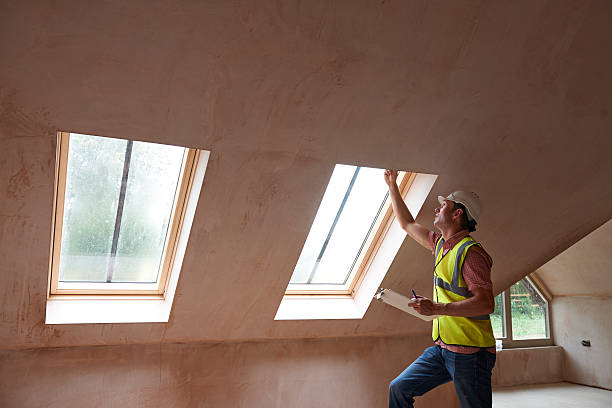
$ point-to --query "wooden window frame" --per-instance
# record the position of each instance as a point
(86, 289)
(373, 243)
(507, 340)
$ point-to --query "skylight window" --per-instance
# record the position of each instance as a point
(351, 245)
(118, 212)
(352, 216)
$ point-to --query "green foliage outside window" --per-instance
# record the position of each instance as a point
(497, 318)
(528, 311)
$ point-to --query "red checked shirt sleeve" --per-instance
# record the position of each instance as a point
(477, 269)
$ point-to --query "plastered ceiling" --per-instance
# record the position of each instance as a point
(509, 99)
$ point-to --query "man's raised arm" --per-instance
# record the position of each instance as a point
(416, 231)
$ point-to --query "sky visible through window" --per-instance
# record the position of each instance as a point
(117, 208)
(351, 204)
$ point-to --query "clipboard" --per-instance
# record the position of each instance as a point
(400, 301)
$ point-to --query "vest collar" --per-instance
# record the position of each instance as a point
(453, 240)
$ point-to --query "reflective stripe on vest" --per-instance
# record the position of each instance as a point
(454, 285)
(449, 286)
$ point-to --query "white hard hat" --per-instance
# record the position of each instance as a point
(470, 200)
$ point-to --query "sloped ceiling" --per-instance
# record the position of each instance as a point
(509, 99)
(583, 269)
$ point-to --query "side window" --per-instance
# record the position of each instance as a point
(498, 317)
(521, 316)
(529, 312)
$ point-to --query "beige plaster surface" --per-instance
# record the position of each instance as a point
(561, 395)
(520, 366)
(341, 373)
(510, 99)
(584, 268)
(578, 318)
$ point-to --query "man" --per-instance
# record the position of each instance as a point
(464, 350)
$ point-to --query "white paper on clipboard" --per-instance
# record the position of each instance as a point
(401, 302)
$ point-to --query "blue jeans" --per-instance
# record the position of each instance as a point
(471, 374)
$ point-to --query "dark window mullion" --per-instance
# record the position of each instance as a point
(331, 230)
(120, 204)
(380, 209)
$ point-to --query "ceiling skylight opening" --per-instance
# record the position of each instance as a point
(117, 214)
(352, 218)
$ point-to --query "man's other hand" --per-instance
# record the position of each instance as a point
(423, 305)
(391, 177)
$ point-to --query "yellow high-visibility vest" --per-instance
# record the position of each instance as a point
(449, 286)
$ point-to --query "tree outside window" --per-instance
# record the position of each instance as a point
(521, 316)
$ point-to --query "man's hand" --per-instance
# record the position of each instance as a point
(482, 303)
(423, 305)
(391, 177)
(416, 231)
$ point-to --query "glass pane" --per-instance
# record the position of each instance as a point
(528, 312)
(94, 178)
(497, 318)
(151, 188)
(350, 206)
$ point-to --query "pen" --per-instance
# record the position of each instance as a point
(413, 294)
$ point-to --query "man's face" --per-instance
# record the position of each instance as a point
(444, 214)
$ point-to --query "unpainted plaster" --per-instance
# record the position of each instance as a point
(578, 318)
(342, 373)
(583, 269)
(521, 366)
(508, 99)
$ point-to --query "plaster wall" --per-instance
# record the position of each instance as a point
(522, 366)
(584, 317)
(352, 372)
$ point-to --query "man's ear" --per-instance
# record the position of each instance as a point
(458, 215)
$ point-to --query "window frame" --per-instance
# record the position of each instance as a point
(89, 289)
(373, 242)
(507, 339)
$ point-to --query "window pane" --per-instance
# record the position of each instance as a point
(528, 312)
(94, 178)
(350, 206)
(497, 318)
(151, 188)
